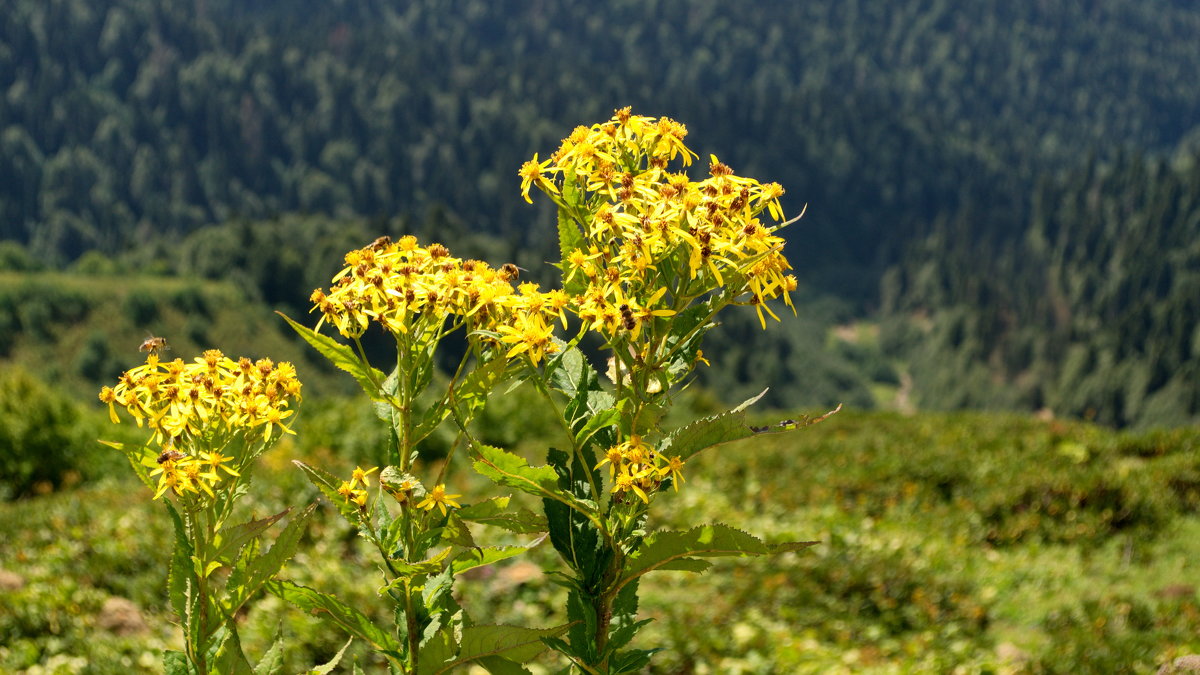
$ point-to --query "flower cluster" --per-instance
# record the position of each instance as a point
(413, 290)
(355, 489)
(403, 488)
(634, 466)
(653, 240)
(197, 410)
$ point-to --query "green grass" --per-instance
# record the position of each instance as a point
(948, 543)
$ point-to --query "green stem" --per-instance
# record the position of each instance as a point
(197, 649)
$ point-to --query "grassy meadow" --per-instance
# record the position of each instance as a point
(966, 543)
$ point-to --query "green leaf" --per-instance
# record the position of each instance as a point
(457, 533)
(500, 666)
(271, 662)
(494, 512)
(343, 357)
(230, 658)
(570, 237)
(384, 410)
(508, 643)
(624, 624)
(570, 373)
(437, 649)
(328, 667)
(596, 422)
(709, 431)
(431, 566)
(478, 557)
(230, 539)
(661, 549)
(331, 609)
(505, 468)
(241, 586)
(631, 661)
(573, 534)
(176, 663)
(180, 582)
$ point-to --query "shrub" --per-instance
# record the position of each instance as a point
(41, 436)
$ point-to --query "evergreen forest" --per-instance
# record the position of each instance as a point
(1001, 199)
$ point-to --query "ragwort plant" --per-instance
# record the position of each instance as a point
(421, 296)
(649, 258)
(208, 421)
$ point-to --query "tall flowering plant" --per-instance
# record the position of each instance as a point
(649, 258)
(208, 420)
(420, 296)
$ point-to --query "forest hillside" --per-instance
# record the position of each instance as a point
(1000, 195)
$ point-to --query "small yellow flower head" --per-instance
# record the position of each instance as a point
(438, 498)
(630, 482)
(361, 478)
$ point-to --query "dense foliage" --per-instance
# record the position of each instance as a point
(935, 553)
(927, 138)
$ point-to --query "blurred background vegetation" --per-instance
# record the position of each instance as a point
(1003, 213)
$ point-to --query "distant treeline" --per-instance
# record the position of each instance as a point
(933, 139)
(132, 117)
(1091, 309)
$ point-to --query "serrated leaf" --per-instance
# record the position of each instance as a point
(509, 643)
(505, 468)
(230, 658)
(242, 586)
(180, 583)
(709, 431)
(335, 611)
(478, 557)
(664, 548)
(383, 410)
(431, 566)
(342, 356)
(493, 512)
(457, 533)
(570, 373)
(581, 631)
(631, 661)
(438, 648)
(230, 539)
(574, 535)
(272, 662)
(596, 422)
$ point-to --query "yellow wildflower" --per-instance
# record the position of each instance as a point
(438, 498)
